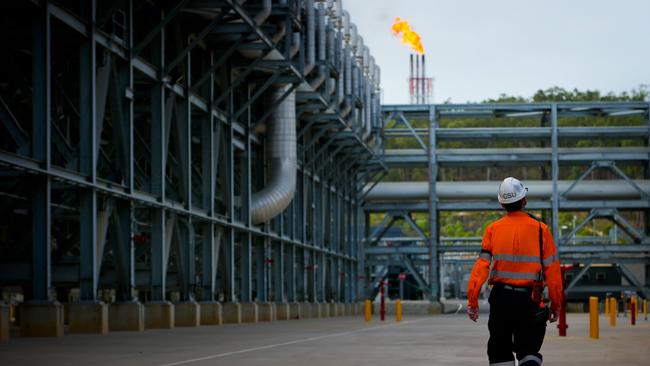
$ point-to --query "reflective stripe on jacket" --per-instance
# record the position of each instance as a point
(511, 244)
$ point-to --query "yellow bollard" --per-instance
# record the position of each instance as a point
(398, 310)
(368, 310)
(613, 310)
(593, 317)
(607, 305)
(645, 309)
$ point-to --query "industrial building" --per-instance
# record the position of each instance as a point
(176, 164)
(150, 155)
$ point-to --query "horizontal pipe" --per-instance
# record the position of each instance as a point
(419, 191)
(481, 133)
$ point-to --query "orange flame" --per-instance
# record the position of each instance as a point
(409, 36)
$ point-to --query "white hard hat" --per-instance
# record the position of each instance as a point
(511, 190)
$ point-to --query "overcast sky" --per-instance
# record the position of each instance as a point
(478, 49)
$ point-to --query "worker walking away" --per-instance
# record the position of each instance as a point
(523, 257)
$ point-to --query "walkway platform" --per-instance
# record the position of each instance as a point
(423, 340)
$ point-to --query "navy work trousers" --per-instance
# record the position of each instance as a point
(517, 325)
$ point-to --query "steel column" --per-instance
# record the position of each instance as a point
(433, 208)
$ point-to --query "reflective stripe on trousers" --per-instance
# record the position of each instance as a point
(530, 360)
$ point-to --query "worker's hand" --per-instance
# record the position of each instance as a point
(472, 313)
(554, 315)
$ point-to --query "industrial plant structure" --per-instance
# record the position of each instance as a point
(178, 163)
(544, 137)
(195, 151)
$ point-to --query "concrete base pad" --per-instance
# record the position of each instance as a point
(337, 309)
(249, 313)
(231, 313)
(282, 311)
(211, 313)
(340, 309)
(306, 310)
(295, 311)
(5, 322)
(159, 315)
(88, 317)
(187, 314)
(349, 309)
(66, 312)
(266, 312)
(331, 308)
(126, 316)
(319, 310)
(41, 319)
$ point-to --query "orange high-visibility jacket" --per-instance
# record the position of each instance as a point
(512, 245)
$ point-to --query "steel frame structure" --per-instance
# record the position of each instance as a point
(136, 174)
(427, 253)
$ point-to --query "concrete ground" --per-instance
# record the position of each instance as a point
(422, 340)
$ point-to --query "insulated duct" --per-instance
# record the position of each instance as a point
(281, 183)
(322, 49)
(311, 36)
(264, 13)
(367, 111)
(346, 25)
(332, 42)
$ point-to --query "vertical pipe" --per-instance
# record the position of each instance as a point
(433, 207)
(555, 172)
(593, 317)
(311, 36)
(424, 78)
(417, 79)
(411, 83)
(348, 71)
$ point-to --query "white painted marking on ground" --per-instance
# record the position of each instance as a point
(254, 349)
